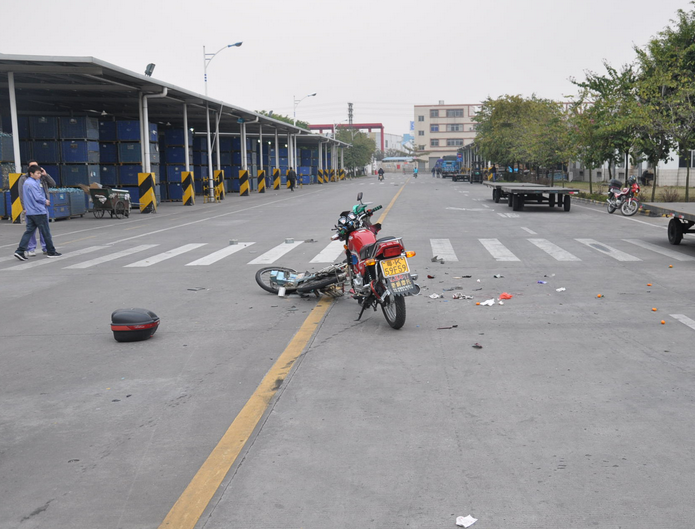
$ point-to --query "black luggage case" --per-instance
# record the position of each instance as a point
(132, 325)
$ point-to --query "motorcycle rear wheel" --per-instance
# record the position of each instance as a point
(394, 311)
(263, 278)
(629, 208)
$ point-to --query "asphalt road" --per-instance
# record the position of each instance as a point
(576, 412)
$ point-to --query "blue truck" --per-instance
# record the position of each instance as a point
(448, 166)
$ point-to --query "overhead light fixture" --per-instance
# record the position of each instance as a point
(149, 69)
(104, 113)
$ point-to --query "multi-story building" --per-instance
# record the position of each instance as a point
(441, 130)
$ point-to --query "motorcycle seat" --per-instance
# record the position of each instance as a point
(368, 251)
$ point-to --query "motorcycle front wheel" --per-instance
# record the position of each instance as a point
(629, 208)
(263, 277)
(610, 207)
(394, 311)
(318, 284)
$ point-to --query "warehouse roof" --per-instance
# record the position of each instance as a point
(47, 85)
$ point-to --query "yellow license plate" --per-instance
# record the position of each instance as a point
(393, 267)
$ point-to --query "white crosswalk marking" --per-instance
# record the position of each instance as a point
(607, 250)
(443, 249)
(330, 253)
(220, 254)
(66, 255)
(498, 250)
(684, 320)
(658, 249)
(165, 255)
(554, 250)
(529, 231)
(111, 257)
(272, 255)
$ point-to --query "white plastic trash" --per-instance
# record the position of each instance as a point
(465, 521)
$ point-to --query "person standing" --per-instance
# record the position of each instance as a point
(46, 182)
(291, 178)
(35, 203)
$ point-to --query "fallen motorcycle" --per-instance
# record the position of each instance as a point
(378, 269)
(621, 198)
(283, 281)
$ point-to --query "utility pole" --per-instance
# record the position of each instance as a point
(352, 131)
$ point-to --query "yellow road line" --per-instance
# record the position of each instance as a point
(192, 503)
(388, 208)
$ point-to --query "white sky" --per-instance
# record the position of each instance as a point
(384, 56)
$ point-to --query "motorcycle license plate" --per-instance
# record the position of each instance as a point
(393, 267)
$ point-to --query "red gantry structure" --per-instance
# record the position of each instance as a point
(359, 126)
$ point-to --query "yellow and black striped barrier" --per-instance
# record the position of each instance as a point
(218, 175)
(332, 175)
(243, 183)
(276, 179)
(188, 189)
(148, 201)
(16, 209)
(342, 174)
(261, 180)
(287, 180)
(319, 177)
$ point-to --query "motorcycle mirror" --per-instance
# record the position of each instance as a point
(359, 196)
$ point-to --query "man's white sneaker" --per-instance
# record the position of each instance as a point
(30, 253)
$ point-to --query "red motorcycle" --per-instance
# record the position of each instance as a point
(623, 198)
(378, 268)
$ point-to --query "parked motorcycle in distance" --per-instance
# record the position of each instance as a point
(378, 269)
(624, 198)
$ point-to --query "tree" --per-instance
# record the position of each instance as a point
(286, 119)
(361, 151)
(667, 85)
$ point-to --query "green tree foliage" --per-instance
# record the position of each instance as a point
(286, 119)
(361, 151)
(667, 87)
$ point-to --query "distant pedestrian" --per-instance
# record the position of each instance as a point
(415, 171)
(291, 178)
(46, 182)
(35, 203)
(434, 170)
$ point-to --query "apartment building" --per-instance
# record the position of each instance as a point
(441, 130)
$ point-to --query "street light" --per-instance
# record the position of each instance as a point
(207, 57)
(296, 103)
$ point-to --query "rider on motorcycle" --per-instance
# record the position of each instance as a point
(381, 173)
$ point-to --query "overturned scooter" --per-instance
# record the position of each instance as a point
(378, 269)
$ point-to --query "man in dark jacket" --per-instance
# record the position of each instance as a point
(291, 178)
(46, 182)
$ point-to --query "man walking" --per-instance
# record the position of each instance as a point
(291, 178)
(35, 203)
(46, 182)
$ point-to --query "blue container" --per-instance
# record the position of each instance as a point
(7, 204)
(59, 198)
(3, 207)
(236, 158)
(176, 137)
(200, 143)
(74, 175)
(134, 193)
(128, 174)
(129, 153)
(226, 158)
(80, 151)
(58, 212)
(174, 191)
(77, 203)
(226, 144)
(22, 125)
(284, 162)
(173, 173)
(108, 152)
(305, 179)
(107, 131)
(46, 151)
(109, 175)
(198, 186)
(175, 155)
(304, 171)
(236, 144)
(201, 171)
(43, 127)
(79, 128)
(200, 158)
(54, 172)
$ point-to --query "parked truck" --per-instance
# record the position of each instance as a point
(449, 166)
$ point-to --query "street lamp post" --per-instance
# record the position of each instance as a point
(296, 103)
(207, 57)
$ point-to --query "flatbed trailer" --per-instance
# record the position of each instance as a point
(519, 194)
(682, 217)
(499, 194)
